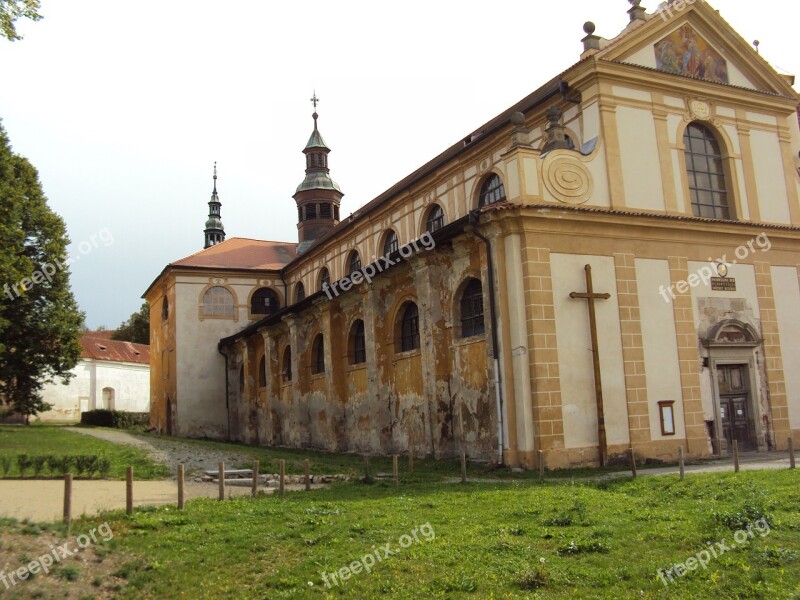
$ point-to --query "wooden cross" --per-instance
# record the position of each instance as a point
(591, 296)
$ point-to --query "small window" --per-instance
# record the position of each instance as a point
(706, 173)
(318, 355)
(217, 302)
(311, 211)
(409, 328)
(492, 191)
(264, 301)
(262, 372)
(435, 220)
(354, 264)
(358, 344)
(287, 364)
(164, 309)
(324, 278)
(390, 243)
(472, 310)
(666, 412)
(325, 211)
(299, 292)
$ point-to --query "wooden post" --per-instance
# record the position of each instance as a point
(394, 470)
(791, 453)
(541, 465)
(591, 296)
(68, 501)
(307, 473)
(221, 480)
(129, 490)
(633, 462)
(282, 475)
(180, 487)
(680, 461)
(367, 478)
(254, 489)
(463, 467)
(735, 456)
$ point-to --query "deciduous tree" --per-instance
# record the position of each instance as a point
(11, 10)
(136, 329)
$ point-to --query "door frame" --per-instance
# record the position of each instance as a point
(736, 356)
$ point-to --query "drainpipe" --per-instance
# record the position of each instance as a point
(474, 218)
(227, 407)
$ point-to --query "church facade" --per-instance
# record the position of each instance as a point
(611, 263)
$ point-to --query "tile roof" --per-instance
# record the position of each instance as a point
(242, 254)
(98, 347)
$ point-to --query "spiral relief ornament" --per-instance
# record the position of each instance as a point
(567, 179)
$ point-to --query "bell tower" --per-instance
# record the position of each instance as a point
(214, 231)
(318, 197)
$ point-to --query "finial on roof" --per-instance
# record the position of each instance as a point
(315, 101)
(756, 44)
(637, 13)
(215, 177)
(591, 43)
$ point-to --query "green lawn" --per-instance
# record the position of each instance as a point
(494, 540)
(43, 440)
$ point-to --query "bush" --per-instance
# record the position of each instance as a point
(25, 462)
(115, 418)
(6, 462)
(59, 465)
(38, 464)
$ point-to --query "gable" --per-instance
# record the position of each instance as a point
(697, 43)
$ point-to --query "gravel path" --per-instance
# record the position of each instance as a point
(195, 457)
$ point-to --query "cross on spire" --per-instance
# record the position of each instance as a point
(314, 100)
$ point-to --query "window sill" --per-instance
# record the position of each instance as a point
(468, 341)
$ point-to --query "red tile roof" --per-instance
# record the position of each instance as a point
(242, 253)
(98, 347)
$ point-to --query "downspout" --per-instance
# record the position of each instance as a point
(227, 407)
(474, 220)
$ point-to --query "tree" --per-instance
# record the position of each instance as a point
(136, 329)
(40, 324)
(11, 10)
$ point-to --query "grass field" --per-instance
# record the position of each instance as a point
(491, 540)
(48, 440)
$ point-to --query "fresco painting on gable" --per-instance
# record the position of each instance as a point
(684, 52)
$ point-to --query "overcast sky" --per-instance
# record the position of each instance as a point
(124, 107)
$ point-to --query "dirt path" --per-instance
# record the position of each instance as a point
(195, 458)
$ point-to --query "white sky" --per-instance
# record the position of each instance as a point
(124, 106)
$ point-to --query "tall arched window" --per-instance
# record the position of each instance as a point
(435, 219)
(264, 301)
(217, 302)
(409, 327)
(472, 310)
(299, 291)
(354, 263)
(318, 355)
(324, 278)
(706, 173)
(492, 191)
(390, 243)
(241, 379)
(286, 369)
(358, 344)
(262, 372)
(164, 309)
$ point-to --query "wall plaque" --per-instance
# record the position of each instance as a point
(723, 284)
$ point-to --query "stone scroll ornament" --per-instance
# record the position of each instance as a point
(567, 179)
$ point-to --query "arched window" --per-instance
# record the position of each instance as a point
(318, 355)
(390, 243)
(435, 219)
(472, 310)
(241, 379)
(108, 398)
(358, 344)
(706, 173)
(324, 278)
(264, 301)
(325, 211)
(409, 327)
(299, 292)
(492, 191)
(164, 309)
(217, 302)
(262, 372)
(353, 263)
(287, 364)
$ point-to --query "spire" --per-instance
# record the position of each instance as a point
(214, 231)
(318, 197)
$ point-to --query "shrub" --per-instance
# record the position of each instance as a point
(91, 466)
(6, 462)
(115, 418)
(82, 463)
(38, 464)
(104, 466)
(534, 578)
(24, 461)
